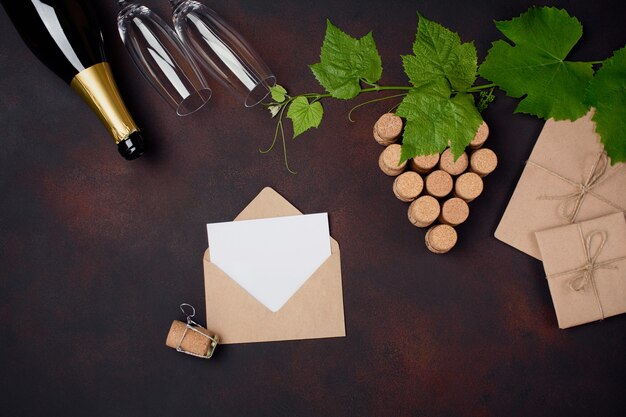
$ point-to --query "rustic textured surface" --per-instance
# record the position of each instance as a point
(97, 253)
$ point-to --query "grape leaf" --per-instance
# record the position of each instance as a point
(611, 78)
(440, 60)
(345, 61)
(607, 93)
(535, 67)
(278, 93)
(433, 122)
(610, 118)
(304, 115)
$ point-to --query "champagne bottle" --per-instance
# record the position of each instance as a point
(66, 37)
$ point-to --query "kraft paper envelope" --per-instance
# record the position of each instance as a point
(314, 311)
(567, 156)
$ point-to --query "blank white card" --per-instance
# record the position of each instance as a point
(271, 258)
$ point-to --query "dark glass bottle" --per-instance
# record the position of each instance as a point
(66, 37)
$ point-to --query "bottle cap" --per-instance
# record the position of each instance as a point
(132, 147)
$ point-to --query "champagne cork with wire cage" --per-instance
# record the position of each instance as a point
(190, 337)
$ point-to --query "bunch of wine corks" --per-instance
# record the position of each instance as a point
(437, 186)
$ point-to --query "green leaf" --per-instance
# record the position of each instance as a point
(611, 78)
(440, 60)
(433, 122)
(607, 93)
(278, 93)
(304, 115)
(345, 61)
(535, 67)
(610, 118)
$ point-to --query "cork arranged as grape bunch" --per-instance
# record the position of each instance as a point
(438, 187)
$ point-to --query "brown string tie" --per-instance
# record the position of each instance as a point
(585, 274)
(572, 202)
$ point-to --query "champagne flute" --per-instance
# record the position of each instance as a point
(222, 51)
(162, 58)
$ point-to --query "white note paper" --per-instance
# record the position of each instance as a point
(271, 258)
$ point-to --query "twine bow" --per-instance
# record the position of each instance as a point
(572, 202)
(585, 274)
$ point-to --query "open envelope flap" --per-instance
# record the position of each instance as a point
(314, 311)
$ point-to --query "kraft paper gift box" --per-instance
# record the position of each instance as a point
(585, 266)
(314, 311)
(567, 179)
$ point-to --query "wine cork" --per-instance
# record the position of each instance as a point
(483, 161)
(452, 167)
(480, 137)
(454, 211)
(389, 158)
(439, 183)
(408, 186)
(424, 164)
(441, 238)
(468, 186)
(424, 211)
(192, 342)
(387, 129)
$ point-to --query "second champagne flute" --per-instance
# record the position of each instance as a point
(222, 51)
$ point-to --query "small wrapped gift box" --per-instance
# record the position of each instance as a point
(567, 179)
(585, 266)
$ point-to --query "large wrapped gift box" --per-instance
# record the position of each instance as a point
(568, 178)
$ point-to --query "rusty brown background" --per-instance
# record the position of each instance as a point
(97, 253)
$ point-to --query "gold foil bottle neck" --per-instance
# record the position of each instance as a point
(97, 87)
